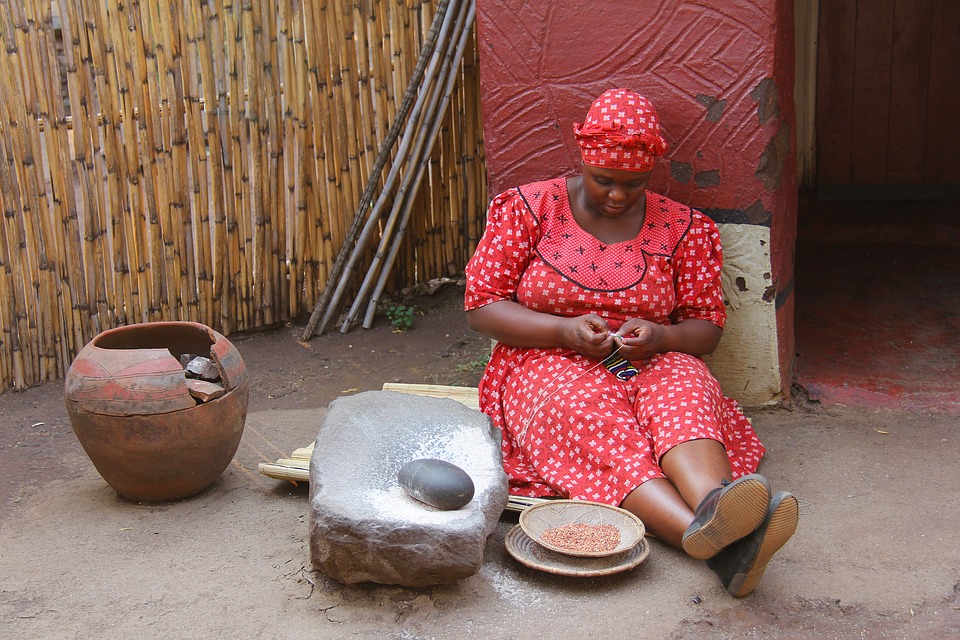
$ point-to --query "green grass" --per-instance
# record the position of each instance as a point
(401, 317)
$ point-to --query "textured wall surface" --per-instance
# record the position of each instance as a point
(747, 361)
(708, 70)
(721, 76)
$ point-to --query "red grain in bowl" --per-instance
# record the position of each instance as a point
(583, 538)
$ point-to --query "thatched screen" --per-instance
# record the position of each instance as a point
(204, 160)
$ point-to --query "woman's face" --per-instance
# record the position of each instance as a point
(612, 193)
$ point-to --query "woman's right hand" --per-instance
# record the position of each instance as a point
(588, 335)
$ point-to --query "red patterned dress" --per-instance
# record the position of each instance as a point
(570, 427)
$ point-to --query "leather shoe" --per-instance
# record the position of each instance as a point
(727, 514)
(741, 565)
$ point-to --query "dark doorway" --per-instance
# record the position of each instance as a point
(878, 303)
(878, 245)
(886, 124)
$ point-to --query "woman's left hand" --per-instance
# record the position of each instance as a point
(640, 339)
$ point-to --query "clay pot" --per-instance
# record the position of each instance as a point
(132, 410)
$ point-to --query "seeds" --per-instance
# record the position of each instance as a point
(583, 538)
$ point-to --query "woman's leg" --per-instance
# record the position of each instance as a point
(693, 469)
(662, 509)
(696, 468)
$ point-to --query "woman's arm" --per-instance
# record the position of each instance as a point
(514, 325)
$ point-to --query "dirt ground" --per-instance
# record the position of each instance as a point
(877, 553)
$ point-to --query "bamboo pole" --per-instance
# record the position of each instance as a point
(14, 241)
(474, 160)
(60, 212)
(141, 80)
(196, 178)
(276, 255)
(125, 302)
(332, 147)
(24, 151)
(181, 236)
(249, 216)
(217, 256)
(237, 280)
(170, 239)
(449, 194)
(35, 230)
(273, 156)
(76, 52)
(287, 128)
(349, 95)
(316, 246)
(6, 312)
(255, 222)
(404, 196)
(340, 75)
(134, 211)
(225, 267)
(263, 150)
(300, 119)
(382, 97)
(79, 53)
(363, 94)
(321, 177)
(419, 114)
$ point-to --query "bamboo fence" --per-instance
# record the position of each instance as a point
(205, 160)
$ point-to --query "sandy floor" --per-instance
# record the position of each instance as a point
(877, 554)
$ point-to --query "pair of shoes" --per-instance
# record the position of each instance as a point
(727, 514)
(741, 565)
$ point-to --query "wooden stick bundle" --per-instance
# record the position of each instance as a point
(339, 276)
(422, 115)
(465, 23)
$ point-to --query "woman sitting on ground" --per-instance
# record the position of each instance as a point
(602, 296)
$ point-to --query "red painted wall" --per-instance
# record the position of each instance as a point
(720, 74)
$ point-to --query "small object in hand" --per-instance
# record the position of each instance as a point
(581, 537)
(620, 366)
(437, 483)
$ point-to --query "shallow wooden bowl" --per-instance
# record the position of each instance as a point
(540, 518)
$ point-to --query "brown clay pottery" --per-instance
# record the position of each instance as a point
(152, 431)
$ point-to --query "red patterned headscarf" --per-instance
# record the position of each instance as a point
(621, 131)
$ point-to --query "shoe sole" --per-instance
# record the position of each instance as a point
(782, 525)
(739, 512)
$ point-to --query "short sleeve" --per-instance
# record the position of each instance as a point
(504, 251)
(698, 263)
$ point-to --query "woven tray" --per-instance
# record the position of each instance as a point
(556, 513)
(529, 553)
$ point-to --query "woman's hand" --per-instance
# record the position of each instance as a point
(642, 339)
(588, 335)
